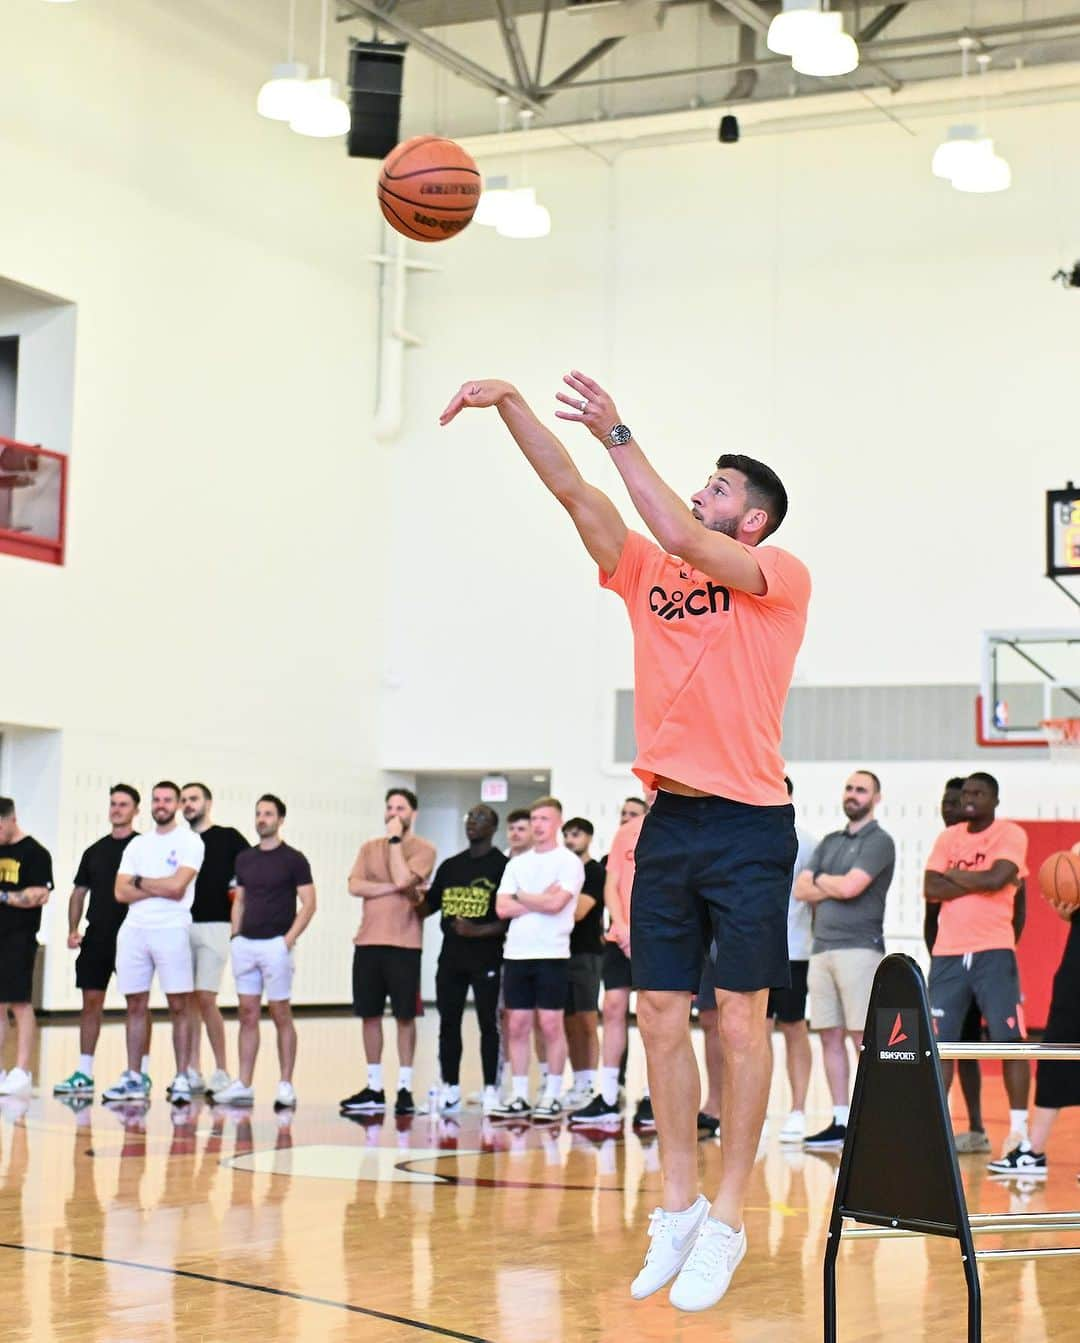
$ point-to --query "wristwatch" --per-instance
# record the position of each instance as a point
(621, 434)
(137, 882)
(393, 839)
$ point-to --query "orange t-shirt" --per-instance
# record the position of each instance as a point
(621, 865)
(392, 920)
(981, 921)
(712, 668)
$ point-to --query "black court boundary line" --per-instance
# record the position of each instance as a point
(251, 1287)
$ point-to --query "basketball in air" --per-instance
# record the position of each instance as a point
(429, 188)
(1059, 879)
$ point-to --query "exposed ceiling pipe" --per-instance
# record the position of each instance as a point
(745, 81)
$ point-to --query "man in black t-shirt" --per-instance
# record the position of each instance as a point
(25, 883)
(464, 889)
(96, 960)
(211, 914)
(586, 964)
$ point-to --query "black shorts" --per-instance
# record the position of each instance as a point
(616, 968)
(789, 1005)
(990, 980)
(18, 952)
(96, 961)
(531, 984)
(583, 982)
(379, 973)
(712, 870)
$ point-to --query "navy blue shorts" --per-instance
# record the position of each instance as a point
(712, 872)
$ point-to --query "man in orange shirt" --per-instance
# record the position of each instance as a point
(718, 619)
(390, 875)
(972, 872)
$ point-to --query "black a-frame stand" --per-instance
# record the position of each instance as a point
(899, 1165)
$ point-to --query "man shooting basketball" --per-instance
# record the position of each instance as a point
(718, 620)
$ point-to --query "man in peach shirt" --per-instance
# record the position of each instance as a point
(390, 875)
(718, 619)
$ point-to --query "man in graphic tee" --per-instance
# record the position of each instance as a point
(156, 881)
(211, 916)
(464, 893)
(96, 961)
(586, 968)
(390, 876)
(274, 903)
(972, 872)
(538, 894)
(26, 879)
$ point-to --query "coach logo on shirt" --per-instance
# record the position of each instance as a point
(696, 602)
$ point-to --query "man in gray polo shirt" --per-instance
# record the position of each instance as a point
(846, 883)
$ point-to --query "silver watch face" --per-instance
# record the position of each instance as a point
(620, 434)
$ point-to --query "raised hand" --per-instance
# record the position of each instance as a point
(476, 395)
(591, 406)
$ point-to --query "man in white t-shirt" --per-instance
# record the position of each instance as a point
(538, 894)
(156, 881)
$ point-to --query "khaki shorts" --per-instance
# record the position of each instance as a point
(839, 984)
(209, 955)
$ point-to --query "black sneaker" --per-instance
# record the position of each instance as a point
(708, 1126)
(516, 1108)
(643, 1115)
(597, 1114)
(1020, 1161)
(366, 1101)
(828, 1139)
(404, 1105)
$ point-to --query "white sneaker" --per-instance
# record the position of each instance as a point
(449, 1100)
(195, 1080)
(707, 1273)
(219, 1080)
(578, 1097)
(490, 1101)
(179, 1090)
(16, 1083)
(286, 1096)
(672, 1236)
(794, 1129)
(235, 1094)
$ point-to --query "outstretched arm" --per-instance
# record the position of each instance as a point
(594, 515)
(665, 514)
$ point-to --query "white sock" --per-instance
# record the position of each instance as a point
(552, 1087)
(609, 1085)
(404, 1078)
(520, 1087)
(1018, 1122)
(581, 1078)
(86, 1065)
(590, 1075)
(840, 1114)
(645, 1092)
(146, 1063)
(543, 1072)
(453, 1093)
(491, 1094)
(374, 1076)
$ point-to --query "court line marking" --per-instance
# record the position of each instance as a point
(369, 1311)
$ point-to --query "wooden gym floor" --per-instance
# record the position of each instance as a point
(242, 1226)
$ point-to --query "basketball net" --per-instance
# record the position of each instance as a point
(1063, 739)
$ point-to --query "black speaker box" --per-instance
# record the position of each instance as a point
(375, 71)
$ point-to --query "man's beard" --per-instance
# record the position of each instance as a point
(728, 526)
(858, 813)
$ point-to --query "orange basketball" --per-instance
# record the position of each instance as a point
(1059, 878)
(429, 188)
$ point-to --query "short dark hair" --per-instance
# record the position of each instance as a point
(166, 783)
(406, 793)
(483, 806)
(202, 787)
(7, 808)
(519, 814)
(639, 800)
(988, 779)
(579, 823)
(275, 802)
(953, 785)
(789, 786)
(870, 775)
(764, 488)
(126, 788)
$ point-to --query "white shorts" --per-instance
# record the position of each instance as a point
(209, 952)
(141, 951)
(263, 962)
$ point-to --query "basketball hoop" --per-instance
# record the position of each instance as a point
(1063, 739)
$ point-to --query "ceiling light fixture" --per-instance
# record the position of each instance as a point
(518, 214)
(279, 98)
(795, 22)
(982, 171)
(321, 111)
(813, 36)
(966, 157)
